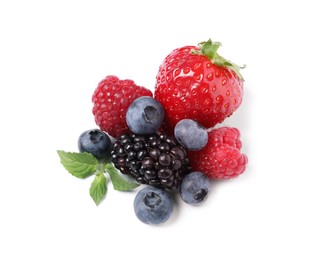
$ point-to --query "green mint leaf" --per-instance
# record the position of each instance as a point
(80, 165)
(98, 188)
(119, 182)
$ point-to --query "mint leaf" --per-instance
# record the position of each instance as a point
(98, 188)
(80, 165)
(118, 181)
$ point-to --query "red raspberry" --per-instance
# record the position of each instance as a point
(111, 99)
(221, 158)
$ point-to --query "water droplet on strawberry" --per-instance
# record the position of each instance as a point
(219, 99)
(186, 70)
(210, 76)
(197, 66)
(207, 102)
(204, 89)
(197, 77)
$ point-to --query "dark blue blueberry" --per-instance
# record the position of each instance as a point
(194, 188)
(153, 205)
(95, 142)
(190, 134)
(144, 115)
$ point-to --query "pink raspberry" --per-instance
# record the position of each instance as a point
(221, 158)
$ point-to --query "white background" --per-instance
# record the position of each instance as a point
(53, 54)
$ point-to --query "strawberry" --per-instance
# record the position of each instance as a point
(195, 82)
(111, 99)
(221, 158)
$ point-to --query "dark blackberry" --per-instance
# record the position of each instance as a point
(153, 159)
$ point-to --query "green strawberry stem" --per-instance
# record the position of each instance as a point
(209, 49)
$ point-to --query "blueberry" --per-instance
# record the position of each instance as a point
(194, 188)
(153, 205)
(190, 134)
(144, 115)
(95, 142)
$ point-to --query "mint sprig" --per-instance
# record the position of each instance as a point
(83, 165)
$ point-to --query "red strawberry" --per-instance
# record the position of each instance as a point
(197, 83)
(111, 99)
(221, 158)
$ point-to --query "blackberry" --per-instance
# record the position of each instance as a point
(154, 159)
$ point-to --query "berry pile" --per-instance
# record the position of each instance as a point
(169, 142)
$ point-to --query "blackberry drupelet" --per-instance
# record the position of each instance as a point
(155, 159)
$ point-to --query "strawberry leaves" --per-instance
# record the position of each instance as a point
(209, 49)
(83, 165)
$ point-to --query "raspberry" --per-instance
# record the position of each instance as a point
(154, 159)
(111, 99)
(221, 158)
